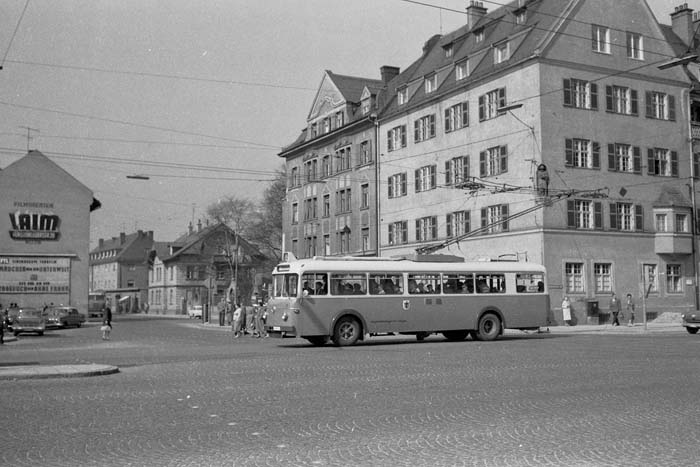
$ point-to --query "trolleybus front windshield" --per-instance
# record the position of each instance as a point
(285, 285)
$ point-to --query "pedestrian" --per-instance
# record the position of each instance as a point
(615, 309)
(237, 315)
(630, 309)
(106, 323)
(566, 310)
(249, 320)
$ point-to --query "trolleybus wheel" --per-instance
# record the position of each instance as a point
(692, 330)
(489, 327)
(455, 335)
(347, 331)
(317, 340)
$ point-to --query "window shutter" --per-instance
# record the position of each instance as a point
(649, 108)
(389, 141)
(598, 214)
(403, 135)
(634, 101)
(482, 163)
(611, 157)
(448, 225)
(448, 121)
(416, 131)
(637, 159)
(594, 96)
(502, 97)
(504, 158)
(674, 163)
(596, 154)
(568, 101)
(390, 187)
(609, 99)
(672, 108)
(448, 173)
(417, 181)
(418, 235)
(651, 165)
(431, 119)
(433, 227)
(481, 108)
(504, 215)
(613, 216)
(569, 152)
(465, 114)
(571, 214)
(433, 176)
(404, 184)
(638, 217)
(484, 218)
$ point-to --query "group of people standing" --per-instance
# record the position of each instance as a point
(249, 320)
(615, 310)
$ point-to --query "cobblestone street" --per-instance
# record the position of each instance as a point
(189, 394)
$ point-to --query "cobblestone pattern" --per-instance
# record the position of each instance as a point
(187, 397)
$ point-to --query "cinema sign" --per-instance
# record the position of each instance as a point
(29, 225)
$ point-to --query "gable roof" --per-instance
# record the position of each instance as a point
(351, 87)
(190, 243)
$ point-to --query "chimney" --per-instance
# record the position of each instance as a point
(475, 11)
(190, 228)
(682, 23)
(389, 72)
(199, 225)
(101, 242)
(122, 238)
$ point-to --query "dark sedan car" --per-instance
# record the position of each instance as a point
(691, 322)
(29, 320)
(64, 316)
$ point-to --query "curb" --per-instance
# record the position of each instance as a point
(55, 371)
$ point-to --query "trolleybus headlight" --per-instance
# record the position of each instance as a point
(284, 317)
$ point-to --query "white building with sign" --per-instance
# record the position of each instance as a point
(44, 234)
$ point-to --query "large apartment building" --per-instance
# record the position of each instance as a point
(545, 131)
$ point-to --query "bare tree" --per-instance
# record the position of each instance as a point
(266, 230)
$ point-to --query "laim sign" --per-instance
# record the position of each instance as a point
(34, 226)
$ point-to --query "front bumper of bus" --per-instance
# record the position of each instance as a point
(281, 331)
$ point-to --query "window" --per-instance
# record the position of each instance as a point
(582, 153)
(601, 39)
(326, 205)
(520, 16)
(490, 283)
(425, 178)
(294, 179)
(130, 283)
(490, 103)
(310, 170)
(398, 233)
(326, 125)
(343, 199)
(603, 277)
(327, 244)
(635, 46)
(314, 130)
(649, 274)
(430, 83)
(574, 277)
(624, 158)
(660, 106)
(344, 240)
(674, 282)
(449, 50)
(385, 283)
(364, 196)
(424, 283)
(310, 206)
(580, 94)
(661, 223)
(365, 239)
(626, 216)
(365, 152)
(295, 213)
(326, 167)
(457, 117)
(493, 161)
(621, 100)
(458, 223)
(424, 128)
(396, 138)
(584, 214)
(344, 159)
(310, 246)
(426, 228)
(172, 272)
(190, 273)
(402, 95)
(501, 52)
(457, 170)
(339, 119)
(397, 185)
(462, 70)
(662, 162)
(682, 223)
(529, 282)
(479, 35)
(495, 218)
(366, 106)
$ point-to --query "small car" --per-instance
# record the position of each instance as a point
(29, 320)
(64, 316)
(691, 322)
(195, 311)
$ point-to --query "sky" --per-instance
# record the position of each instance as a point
(200, 96)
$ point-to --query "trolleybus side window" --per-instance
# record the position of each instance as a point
(285, 285)
(490, 283)
(315, 283)
(529, 282)
(458, 283)
(385, 284)
(349, 284)
(423, 283)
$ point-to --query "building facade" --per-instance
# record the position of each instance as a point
(44, 234)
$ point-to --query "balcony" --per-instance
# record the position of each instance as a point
(666, 243)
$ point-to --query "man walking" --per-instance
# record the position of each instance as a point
(615, 309)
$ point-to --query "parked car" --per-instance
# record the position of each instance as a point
(63, 316)
(195, 311)
(691, 322)
(29, 320)
(11, 317)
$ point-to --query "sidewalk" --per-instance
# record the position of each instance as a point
(13, 372)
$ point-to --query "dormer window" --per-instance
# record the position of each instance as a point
(326, 125)
(402, 95)
(479, 35)
(520, 16)
(430, 83)
(366, 106)
(462, 69)
(501, 52)
(339, 119)
(448, 50)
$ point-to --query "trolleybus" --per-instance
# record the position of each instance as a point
(348, 299)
